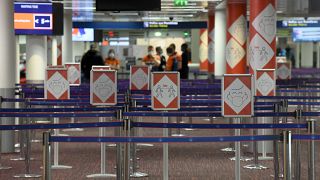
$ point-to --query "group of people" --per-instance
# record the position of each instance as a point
(157, 60)
(174, 62)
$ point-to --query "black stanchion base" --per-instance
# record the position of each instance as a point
(27, 176)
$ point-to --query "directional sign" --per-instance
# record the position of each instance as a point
(237, 95)
(181, 3)
(265, 82)
(139, 77)
(56, 85)
(101, 68)
(42, 21)
(74, 73)
(165, 90)
(103, 87)
(284, 70)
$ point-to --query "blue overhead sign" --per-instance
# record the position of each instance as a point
(141, 25)
(298, 23)
(33, 7)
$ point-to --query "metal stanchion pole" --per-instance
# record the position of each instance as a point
(103, 168)
(178, 134)
(1, 166)
(297, 169)
(311, 154)
(242, 157)
(126, 159)
(73, 129)
(276, 146)
(256, 165)
(287, 150)
(135, 173)
(165, 165)
(56, 164)
(27, 157)
(230, 148)
(238, 151)
(46, 156)
(119, 160)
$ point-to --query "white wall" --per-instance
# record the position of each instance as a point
(195, 40)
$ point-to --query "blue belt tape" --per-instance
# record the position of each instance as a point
(61, 126)
(164, 139)
(306, 137)
(58, 115)
(220, 126)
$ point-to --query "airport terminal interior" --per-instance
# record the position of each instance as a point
(159, 89)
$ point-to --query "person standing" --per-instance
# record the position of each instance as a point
(184, 71)
(90, 58)
(151, 59)
(160, 55)
(112, 61)
(173, 61)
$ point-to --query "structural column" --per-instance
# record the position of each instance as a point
(211, 50)
(54, 49)
(36, 59)
(236, 37)
(7, 68)
(220, 40)
(67, 55)
(203, 50)
(262, 49)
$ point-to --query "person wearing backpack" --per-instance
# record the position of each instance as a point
(174, 60)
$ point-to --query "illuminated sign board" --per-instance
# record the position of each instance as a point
(300, 23)
(181, 3)
(160, 24)
(33, 18)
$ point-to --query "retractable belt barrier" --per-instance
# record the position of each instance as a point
(153, 125)
(179, 139)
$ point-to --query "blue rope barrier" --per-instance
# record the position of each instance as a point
(163, 139)
(83, 109)
(60, 115)
(171, 114)
(61, 126)
(220, 126)
(306, 137)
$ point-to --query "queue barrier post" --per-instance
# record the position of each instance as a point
(1, 166)
(255, 165)
(126, 159)
(46, 156)
(119, 146)
(311, 149)
(276, 165)
(103, 168)
(56, 164)
(287, 152)
(27, 153)
(21, 137)
(134, 166)
(297, 168)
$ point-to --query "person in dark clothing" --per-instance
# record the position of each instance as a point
(184, 71)
(89, 59)
(162, 65)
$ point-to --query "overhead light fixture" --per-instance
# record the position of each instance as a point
(157, 34)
